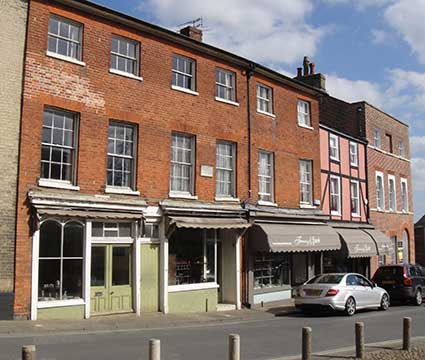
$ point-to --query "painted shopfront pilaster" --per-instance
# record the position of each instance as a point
(87, 268)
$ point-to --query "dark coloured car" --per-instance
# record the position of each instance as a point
(404, 282)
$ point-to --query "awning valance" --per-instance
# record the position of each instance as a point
(208, 223)
(383, 242)
(295, 237)
(104, 215)
(359, 244)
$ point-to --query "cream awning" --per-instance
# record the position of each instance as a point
(208, 223)
(109, 215)
(383, 242)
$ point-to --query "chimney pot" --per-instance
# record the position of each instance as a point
(299, 72)
(312, 66)
(192, 32)
(306, 63)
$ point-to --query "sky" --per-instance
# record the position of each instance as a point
(371, 50)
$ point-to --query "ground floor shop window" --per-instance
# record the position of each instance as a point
(271, 270)
(60, 274)
(192, 257)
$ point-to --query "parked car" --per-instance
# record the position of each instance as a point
(346, 292)
(404, 282)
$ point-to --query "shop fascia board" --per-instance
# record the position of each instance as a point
(197, 208)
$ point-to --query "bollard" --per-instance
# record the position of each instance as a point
(359, 340)
(154, 349)
(28, 352)
(234, 347)
(407, 329)
(306, 343)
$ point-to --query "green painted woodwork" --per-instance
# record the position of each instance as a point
(192, 301)
(63, 313)
(149, 284)
(109, 298)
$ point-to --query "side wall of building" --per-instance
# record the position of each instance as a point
(420, 244)
(13, 29)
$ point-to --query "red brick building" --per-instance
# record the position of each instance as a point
(143, 155)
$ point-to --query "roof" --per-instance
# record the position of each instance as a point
(421, 221)
(381, 111)
(155, 30)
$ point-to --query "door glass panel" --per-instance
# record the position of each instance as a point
(98, 254)
(120, 265)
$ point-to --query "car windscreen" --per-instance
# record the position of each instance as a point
(326, 279)
(389, 271)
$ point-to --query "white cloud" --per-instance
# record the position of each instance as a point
(418, 174)
(407, 18)
(360, 4)
(354, 90)
(380, 36)
(417, 146)
(279, 33)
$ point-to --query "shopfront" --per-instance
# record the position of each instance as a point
(282, 255)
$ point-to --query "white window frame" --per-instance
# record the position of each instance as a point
(390, 207)
(191, 75)
(357, 198)
(380, 175)
(132, 158)
(178, 193)
(49, 181)
(126, 56)
(68, 40)
(266, 178)
(229, 85)
(404, 209)
(354, 155)
(331, 194)
(229, 170)
(401, 149)
(336, 147)
(377, 138)
(268, 100)
(113, 239)
(309, 183)
(304, 118)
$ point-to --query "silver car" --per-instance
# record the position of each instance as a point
(341, 291)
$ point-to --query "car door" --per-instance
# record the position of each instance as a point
(355, 290)
(371, 293)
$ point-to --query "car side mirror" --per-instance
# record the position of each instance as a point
(374, 285)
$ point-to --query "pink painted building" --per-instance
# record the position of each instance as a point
(345, 201)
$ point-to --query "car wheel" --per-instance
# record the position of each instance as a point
(385, 302)
(350, 306)
(418, 297)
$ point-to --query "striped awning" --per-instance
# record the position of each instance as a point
(359, 244)
(383, 242)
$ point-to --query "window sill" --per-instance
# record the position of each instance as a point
(305, 126)
(190, 287)
(187, 91)
(356, 216)
(57, 184)
(59, 303)
(230, 102)
(127, 75)
(307, 206)
(266, 203)
(65, 58)
(354, 165)
(266, 113)
(334, 159)
(227, 199)
(178, 195)
(335, 213)
(123, 191)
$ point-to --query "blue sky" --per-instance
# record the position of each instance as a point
(371, 50)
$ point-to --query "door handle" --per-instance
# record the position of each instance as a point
(112, 293)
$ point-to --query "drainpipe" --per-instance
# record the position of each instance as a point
(360, 117)
(249, 73)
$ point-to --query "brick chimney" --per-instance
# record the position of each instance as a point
(192, 32)
(307, 75)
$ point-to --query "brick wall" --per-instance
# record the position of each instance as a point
(392, 223)
(13, 28)
(157, 110)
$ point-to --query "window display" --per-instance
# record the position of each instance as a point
(271, 270)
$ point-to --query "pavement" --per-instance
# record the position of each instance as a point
(272, 333)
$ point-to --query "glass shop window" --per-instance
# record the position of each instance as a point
(271, 270)
(60, 274)
(192, 257)
(111, 230)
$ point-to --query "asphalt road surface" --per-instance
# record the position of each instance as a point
(270, 338)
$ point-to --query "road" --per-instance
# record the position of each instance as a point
(261, 339)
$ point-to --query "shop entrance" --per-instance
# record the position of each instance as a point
(111, 280)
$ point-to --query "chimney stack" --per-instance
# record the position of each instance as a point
(307, 75)
(192, 32)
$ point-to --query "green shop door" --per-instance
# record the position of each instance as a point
(111, 283)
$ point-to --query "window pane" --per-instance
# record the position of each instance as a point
(73, 240)
(98, 258)
(124, 229)
(97, 229)
(72, 279)
(48, 280)
(120, 265)
(50, 239)
(271, 270)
